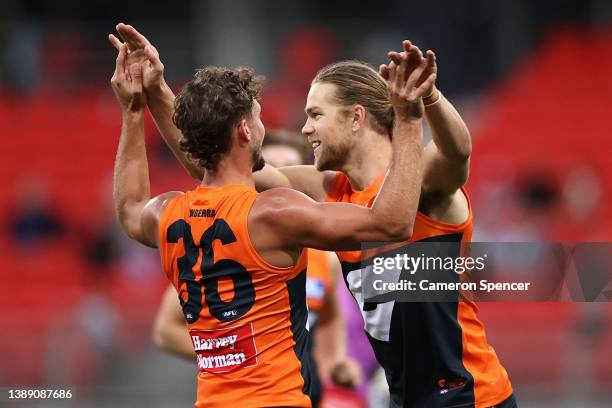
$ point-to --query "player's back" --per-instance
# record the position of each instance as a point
(247, 318)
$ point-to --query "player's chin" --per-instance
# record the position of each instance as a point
(324, 162)
(320, 165)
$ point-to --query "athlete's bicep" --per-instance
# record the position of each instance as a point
(443, 175)
(149, 218)
(294, 220)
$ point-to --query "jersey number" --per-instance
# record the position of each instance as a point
(244, 292)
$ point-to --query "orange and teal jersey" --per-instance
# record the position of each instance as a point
(435, 354)
(247, 319)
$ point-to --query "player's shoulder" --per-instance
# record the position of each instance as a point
(281, 198)
(315, 183)
(280, 206)
(159, 203)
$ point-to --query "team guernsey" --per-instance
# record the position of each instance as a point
(318, 287)
(247, 319)
(435, 354)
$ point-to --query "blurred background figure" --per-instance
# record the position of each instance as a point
(532, 80)
(34, 220)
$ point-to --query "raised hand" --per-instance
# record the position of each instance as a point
(431, 67)
(346, 373)
(140, 51)
(127, 84)
(403, 75)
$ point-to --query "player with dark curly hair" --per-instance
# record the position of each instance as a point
(435, 354)
(209, 105)
(236, 256)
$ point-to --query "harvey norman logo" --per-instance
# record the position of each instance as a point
(224, 350)
(200, 344)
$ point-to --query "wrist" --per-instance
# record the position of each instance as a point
(157, 89)
(433, 98)
(131, 116)
(408, 118)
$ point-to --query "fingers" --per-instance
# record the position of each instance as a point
(132, 37)
(416, 74)
(153, 57)
(397, 57)
(115, 41)
(412, 60)
(430, 56)
(120, 68)
(399, 61)
(383, 70)
(425, 87)
(136, 74)
(391, 73)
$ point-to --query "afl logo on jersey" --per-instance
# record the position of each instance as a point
(230, 313)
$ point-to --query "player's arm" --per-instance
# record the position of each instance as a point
(169, 330)
(306, 179)
(159, 94)
(295, 220)
(137, 213)
(330, 349)
(446, 158)
(331, 332)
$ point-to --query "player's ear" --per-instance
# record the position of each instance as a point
(359, 115)
(244, 132)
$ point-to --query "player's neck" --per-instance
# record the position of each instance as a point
(229, 171)
(369, 160)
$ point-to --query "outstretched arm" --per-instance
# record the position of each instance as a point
(160, 100)
(160, 96)
(446, 157)
(137, 213)
(294, 220)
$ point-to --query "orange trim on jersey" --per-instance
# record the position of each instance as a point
(445, 226)
(477, 358)
(318, 272)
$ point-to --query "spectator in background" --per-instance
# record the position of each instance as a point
(33, 221)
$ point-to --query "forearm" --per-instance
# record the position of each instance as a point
(174, 339)
(131, 176)
(331, 339)
(449, 131)
(403, 181)
(161, 106)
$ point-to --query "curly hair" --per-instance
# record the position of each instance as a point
(358, 83)
(209, 106)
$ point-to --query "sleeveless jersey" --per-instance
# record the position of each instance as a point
(247, 319)
(318, 283)
(435, 354)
